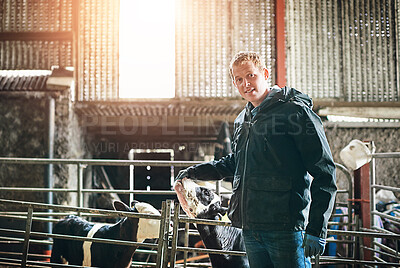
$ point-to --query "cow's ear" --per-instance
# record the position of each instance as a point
(133, 203)
(120, 206)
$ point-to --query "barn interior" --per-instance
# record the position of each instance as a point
(120, 80)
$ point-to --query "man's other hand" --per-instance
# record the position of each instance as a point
(313, 245)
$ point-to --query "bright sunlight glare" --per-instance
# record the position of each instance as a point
(147, 49)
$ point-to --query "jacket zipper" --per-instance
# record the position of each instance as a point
(244, 173)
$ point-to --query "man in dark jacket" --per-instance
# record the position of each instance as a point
(278, 142)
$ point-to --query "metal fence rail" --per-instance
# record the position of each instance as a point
(167, 248)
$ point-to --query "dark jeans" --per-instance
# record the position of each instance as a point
(275, 249)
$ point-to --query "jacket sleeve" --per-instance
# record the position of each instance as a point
(313, 146)
(214, 170)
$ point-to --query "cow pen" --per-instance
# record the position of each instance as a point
(351, 234)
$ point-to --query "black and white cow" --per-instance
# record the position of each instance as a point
(87, 253)
(202, 203)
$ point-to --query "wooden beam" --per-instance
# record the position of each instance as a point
(322, 103)
(367, 112)
(36, 36)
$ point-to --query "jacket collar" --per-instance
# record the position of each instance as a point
(274, 95)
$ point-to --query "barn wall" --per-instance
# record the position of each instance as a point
(23, 132)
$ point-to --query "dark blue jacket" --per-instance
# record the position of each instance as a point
(273, 155)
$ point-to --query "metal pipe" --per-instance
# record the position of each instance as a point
(98, 162)
(161, 235)
(131, 156)
(26, 239)
(364, 234)
(386, 155)
(372, 190)
(78, 238)
(165, 240)
(49, 181)
(390, 188)
(186, 244)
(79, 209)
(175, 234)
(155, 192)
(383, 215)
(80, 168)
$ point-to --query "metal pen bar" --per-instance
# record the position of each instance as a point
(161, 236)
(79, 238)
(202, 221)
(79, 209)
(383, 215)
(166, 233)
(79, 200)
(31, 263)
(211, 251)
(175, 234)
(387, 249)
(98, 162)
(351, 261)
(152, 192)
(381, 252)
(390, 188)
(364, 234)
(26, 239)
(386, 155)
(186, 244)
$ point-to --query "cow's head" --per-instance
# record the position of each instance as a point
(198, 201)
(147, 228)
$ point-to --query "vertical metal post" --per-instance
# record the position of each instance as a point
(186, 244)
(166, 232)
(161, 235)
(172, 168)
(175, 234)
(48, 181)
(131, 176)
(316, 261)
(80, 186)
(27, 235)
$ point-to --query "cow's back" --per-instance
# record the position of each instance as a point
(70, 250)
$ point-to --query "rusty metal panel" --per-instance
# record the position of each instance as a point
(313, 47)
(22, 16)
(20, 55)
(344, 50)
(209, 33)
(98, 50)
(35, 16)
(371, 39)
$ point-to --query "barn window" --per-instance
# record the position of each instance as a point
(147, 49)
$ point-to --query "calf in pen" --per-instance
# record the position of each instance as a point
(99, 254)
(202, 203)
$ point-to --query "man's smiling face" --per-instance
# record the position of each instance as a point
(250, 81)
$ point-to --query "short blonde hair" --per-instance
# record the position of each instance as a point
(245, 56)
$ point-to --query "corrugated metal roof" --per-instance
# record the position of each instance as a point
(23, 80)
